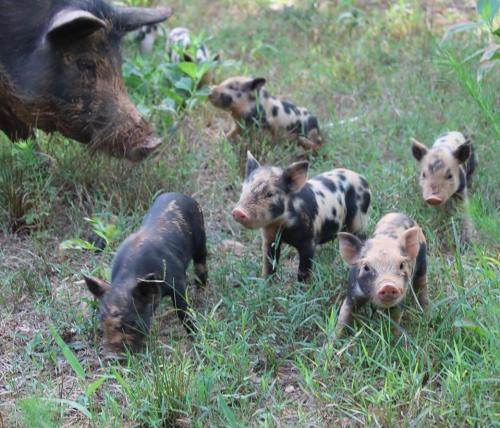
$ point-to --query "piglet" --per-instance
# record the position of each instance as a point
(150, 264)
(252, 106)
(303, 213)
(179, 47)
(384, 268)
(446, 171)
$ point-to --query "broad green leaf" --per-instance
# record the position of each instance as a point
(77, 244)
(68, 354)
(185, 84)
(190, 68)
(487, 9)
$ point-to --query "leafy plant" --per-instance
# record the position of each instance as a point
(490, 54)
(174, 87)
(105, 231)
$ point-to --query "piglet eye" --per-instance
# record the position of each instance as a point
(269, 194)
(366, 268)
(449, 177)
(424, 175)
(401, 266)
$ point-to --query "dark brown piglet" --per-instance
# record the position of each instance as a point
(150, 264)
(384, 268)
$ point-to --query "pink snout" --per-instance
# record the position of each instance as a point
(240, 215)
(388, 293)
(433, 200)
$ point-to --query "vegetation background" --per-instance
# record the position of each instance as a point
(376, 73)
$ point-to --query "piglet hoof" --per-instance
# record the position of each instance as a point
(307, 144)
(303, 276)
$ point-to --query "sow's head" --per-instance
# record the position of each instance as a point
(81, 77)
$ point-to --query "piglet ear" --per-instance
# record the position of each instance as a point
(463, 152)
(187, 57)
(252, 164)
(418, 149)
(255, 84)
(96, 286)
(350, 247)
(295, 175)
(258, 83)
(411, 241)
(148, 289)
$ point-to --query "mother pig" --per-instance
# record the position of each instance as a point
(60, 70)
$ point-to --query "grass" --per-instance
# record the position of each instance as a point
(263, 357)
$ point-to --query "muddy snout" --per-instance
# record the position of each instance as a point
(141, 152)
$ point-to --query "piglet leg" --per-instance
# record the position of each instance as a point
(396, 315)
(306, 254)
(345, 318)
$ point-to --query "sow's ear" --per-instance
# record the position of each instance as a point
(462, 153)
(252, 164)
(132, 18)
(96, 286)
(350, 247)
(147, 289)
(70, 24)
(411, 241)
(418, 149)
(295, 176)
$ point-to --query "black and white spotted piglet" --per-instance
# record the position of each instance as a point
(179, 49)
(147, 37)
(303, 213)
(250, 105)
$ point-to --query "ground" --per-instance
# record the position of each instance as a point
(376, 74)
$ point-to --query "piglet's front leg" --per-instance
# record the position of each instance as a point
(396, 314)
(306, 255)
(233, 132)
(345, 318)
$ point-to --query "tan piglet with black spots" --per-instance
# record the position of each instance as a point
(252, 106)
(446, 171)
(384, 268)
